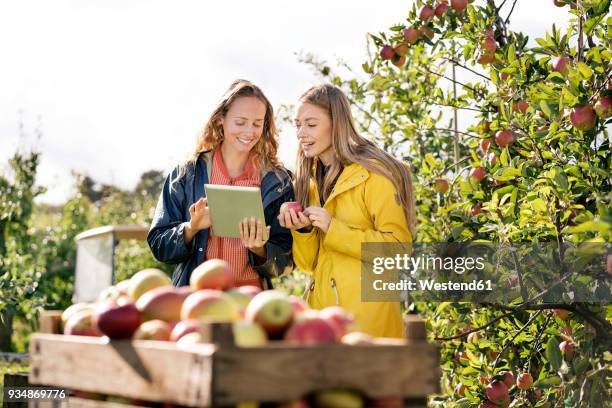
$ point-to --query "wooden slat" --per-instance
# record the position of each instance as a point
(148, 370)
(50, 321)
(74, 402)
(284, 372)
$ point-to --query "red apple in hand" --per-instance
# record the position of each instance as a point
(583, 117)
(294, 205)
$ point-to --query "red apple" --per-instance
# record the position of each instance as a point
(477, 209)
(310, 328)
(487, 404)
(603, 107)
(117, 319)
(81, 323)
(583, 117)
(163, 303)
(489, 45)
(496, 391)
(153, 330)
(609, 264)
(341, 321)
(504, 138)
(294, 205)
(184, 327)
(248, 334)
(209, 305)
(386, 53)
(272, 311)
(442, 185)
(212, 274)
(398, 60)
(441, 9)
(560, 64)
(145, 280)
(485, 144)
(298, 304)
(460, 355)
(486, 58)
(411, 35)
(426, 13)
(74, 309)
(561, 314)
(459, 5)
(427, 32)
(401, 49)
(520, 106)
(508, 378)
(504, 76)
(568, 350)
(559, 3)
(478, 174)
(524, 381)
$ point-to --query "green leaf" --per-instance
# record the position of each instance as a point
(553, 354)
(545, 108)
(584, 70)
(590, 226)
(548, 382)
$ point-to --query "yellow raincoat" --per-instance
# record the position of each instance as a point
(363, 209)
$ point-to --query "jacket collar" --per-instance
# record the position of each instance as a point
(352, 176)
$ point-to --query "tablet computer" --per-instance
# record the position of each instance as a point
(229, 205)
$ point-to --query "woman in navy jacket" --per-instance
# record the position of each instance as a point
(238, 143)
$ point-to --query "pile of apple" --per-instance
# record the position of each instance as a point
(148, 307)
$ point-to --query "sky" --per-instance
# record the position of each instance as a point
(119, 87)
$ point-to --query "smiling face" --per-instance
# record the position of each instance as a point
(314, 132)
(243, 124)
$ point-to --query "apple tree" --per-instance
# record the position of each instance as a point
(508, 142)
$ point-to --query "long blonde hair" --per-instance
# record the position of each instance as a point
(349, 147)
(211, 134)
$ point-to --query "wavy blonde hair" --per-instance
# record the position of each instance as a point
(211, 134)
(349, 147)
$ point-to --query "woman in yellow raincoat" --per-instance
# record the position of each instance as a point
(352, 192)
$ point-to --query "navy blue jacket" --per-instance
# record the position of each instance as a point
(166, 238)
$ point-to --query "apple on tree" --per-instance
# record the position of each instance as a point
(583, 117)
(386, 53)
(603, 107)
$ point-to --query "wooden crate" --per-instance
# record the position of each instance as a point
(221, 374)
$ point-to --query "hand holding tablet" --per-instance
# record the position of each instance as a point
(230, 205)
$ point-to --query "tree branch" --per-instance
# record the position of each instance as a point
(509, 14)
(531, 319)
(465, 333)
(467, 68)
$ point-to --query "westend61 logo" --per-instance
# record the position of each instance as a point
(485, 272)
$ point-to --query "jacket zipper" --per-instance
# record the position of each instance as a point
(309, 290)
(335, 287)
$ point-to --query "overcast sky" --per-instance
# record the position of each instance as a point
(121, 86)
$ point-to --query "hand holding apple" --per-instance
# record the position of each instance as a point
(292, 217)
(319, 217)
